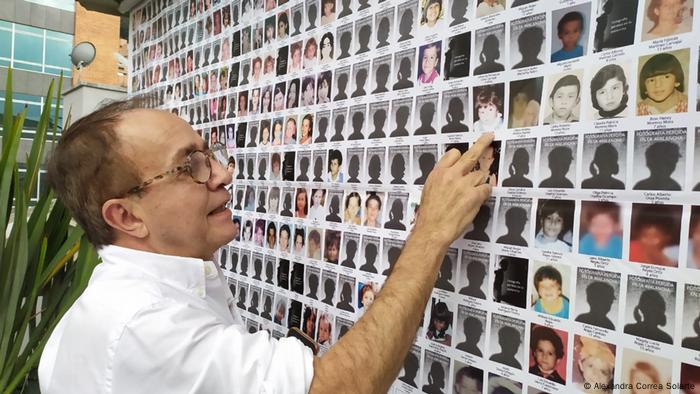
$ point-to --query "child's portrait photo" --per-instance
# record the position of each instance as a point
(548, 353)
(601, 230)
(554, 226)
(550, 286)
(663, 83)
(429, 56)
(663, 18)
(571, 26)
(488, 108)
(563, 101)
(609, 92)
(525, 99)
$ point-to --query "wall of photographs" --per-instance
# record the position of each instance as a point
(582, 271)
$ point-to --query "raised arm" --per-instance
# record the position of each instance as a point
(369, 357)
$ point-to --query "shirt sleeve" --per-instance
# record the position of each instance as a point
(178, 348)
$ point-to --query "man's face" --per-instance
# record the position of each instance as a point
(182, 217)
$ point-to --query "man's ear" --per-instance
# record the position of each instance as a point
(124, 216)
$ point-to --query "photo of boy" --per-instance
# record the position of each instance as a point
(430, 63)
(564, 99)
(656, 233)
(571, 31)
(662, 83)
(548, 353)
(550, 287)
(525, 98)
(601, 234)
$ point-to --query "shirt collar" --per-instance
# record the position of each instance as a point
(187, 273)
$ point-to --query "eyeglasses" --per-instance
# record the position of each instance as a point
(197, 165)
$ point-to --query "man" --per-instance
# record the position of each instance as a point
(157, 316)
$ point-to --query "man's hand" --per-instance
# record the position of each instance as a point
(453, 193)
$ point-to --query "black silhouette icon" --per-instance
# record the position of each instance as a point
(254, 301)
(396, 216)
(346, 9)
(329, 291)
(436, 379)
(311, 16)
(404, 74)
(398, 170)
(253, 136)
(267, 309)
(381, 77)
(455, 116)
(360, 80)
(363, 38)
(350, 251)
(516, 218)
(379, 118)
(410, 369)
(427, 113)
(476, 273)
(262, 169)
(318, 169)
(490, 52)
(661, 160)
(529, 45)
(339, 125)
(370, 258)
(509, 340)
(459, 10)
(406, 25)
(559, 161)
(257, 266)
(296, 21)
(445, 275)
(241, 298)
(333, 210)
(383, 31)
(392, 256)
(649, 314)
(518, 168)
(603, 167)
(312, 281)
(472, 329)
(402, 115)
(287, 206)
(480, 222)
(354, 169)
(345, 40)
(244, 265)
(375, 170)
(303, 169)
(426, 162)
(693, 342)
(261, 203)
(345, 302)
(358, 120)
(322, 129)
(600, 297)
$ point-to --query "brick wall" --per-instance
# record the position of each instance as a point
(103, 31)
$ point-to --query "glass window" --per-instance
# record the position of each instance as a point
(5, 43)
(58, 53)
(29, 48)
(68, 5)
(5, 25)
(29, 29)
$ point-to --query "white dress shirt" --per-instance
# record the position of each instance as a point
(151, 323)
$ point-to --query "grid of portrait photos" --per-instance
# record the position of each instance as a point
(582, 271)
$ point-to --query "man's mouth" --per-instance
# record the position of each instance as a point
(221, 208)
